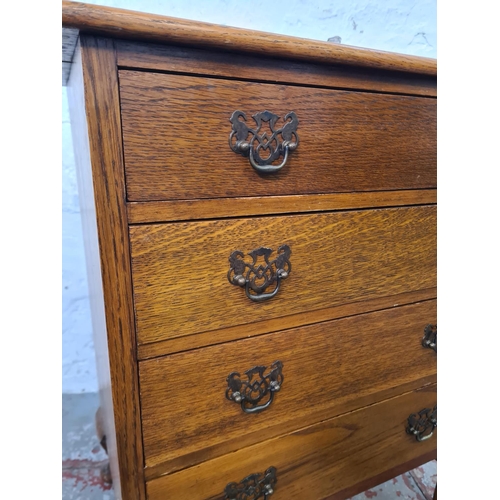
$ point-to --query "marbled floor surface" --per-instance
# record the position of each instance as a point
(83, 458)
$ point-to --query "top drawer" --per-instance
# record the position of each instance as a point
(176, 130)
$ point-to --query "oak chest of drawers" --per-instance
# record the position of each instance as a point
(260, 223)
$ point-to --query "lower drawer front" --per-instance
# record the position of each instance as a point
(328, 368)
(331, 458)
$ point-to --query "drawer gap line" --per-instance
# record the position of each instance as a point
(276, 82)
(277, 214)
(273, 330)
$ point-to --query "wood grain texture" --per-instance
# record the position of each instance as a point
(166, 211)
(223, 64)
(171, 346)
(103, 117)
(180, 269)
(127, 24)
(175, 126)
(69, 40)
(334, 456)
(81, 147)
(325, 366)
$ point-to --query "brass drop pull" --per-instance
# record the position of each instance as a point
(253, 486)
(250, 142)
(430, 337)
(257, 278)
(422, 424)
(256, 388)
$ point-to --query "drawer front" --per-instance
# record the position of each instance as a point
(190, 412)
(321, 460)
(176, 131)
(180, 270)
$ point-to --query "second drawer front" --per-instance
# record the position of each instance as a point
(328, 368)
(180, 269)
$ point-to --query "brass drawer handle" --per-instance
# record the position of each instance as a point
(430, 337)
(240, 142)
(257, 278)
(249, 393)
(422, 424)
(253, 486)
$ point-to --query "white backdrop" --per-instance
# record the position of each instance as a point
(405, 26)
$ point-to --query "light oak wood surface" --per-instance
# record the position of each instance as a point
(94, 92)
(326, 367)
(176, 130)
(167, 211)
(213, 337)
(336, 457)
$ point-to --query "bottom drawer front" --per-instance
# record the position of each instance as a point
(317, 461)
